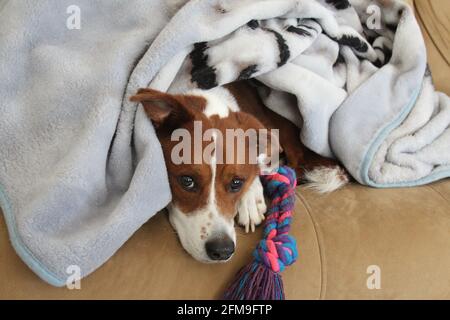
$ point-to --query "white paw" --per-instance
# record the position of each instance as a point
(252, 207)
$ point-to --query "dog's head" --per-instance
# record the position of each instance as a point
(207, 174)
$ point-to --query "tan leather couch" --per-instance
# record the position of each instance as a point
(405, 232)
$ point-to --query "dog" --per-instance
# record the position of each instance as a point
(207, 195)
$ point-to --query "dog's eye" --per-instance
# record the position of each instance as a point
(236, 184)
(187, 183)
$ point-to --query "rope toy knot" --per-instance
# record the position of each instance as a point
(278, 250)
(277, 253)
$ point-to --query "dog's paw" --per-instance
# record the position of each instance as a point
(252, 207)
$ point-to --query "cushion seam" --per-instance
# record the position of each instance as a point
(321, 248)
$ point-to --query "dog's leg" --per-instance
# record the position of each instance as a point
(321, 174)
(252, 206)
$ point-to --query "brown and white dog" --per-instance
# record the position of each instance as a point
(207, 195)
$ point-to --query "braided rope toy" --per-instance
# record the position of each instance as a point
(261, 279)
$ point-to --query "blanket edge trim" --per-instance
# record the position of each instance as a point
(21, 249)
(376, 143)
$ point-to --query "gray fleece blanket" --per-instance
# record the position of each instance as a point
(80, 166)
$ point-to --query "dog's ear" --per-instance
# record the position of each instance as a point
(163, 108)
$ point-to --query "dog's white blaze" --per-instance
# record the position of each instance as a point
(212, 203)
(213, 164)
(219, 223)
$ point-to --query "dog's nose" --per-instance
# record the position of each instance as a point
(220, 248)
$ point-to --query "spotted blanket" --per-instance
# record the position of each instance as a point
(352, 75)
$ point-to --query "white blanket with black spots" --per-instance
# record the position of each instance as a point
(357, 70)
